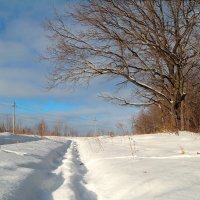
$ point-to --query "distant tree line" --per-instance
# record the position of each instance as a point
(41, 129)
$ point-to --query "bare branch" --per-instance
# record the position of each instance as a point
(154, 45)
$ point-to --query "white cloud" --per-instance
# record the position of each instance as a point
(25, 82)
(12, 52)
(29, 32)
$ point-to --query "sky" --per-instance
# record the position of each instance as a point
(23, 76)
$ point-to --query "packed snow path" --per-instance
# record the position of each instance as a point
(47, 169)
(73, 171)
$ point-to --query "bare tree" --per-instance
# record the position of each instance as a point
(151, 46)
(73, 133)
(66, 129)
(58, 128)
(8, 123)
(42, 128)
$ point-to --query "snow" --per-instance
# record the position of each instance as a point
(157, 170)
(9, 138)
(26, 168)
(142, 167)
(73, 172)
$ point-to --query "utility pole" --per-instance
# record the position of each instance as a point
(14, 107)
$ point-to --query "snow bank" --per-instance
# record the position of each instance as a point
(145, 167)
(9, 138)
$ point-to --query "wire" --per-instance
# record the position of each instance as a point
(25, 113)
(6, 104)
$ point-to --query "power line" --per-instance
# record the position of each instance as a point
(28, 113)
(5, 104)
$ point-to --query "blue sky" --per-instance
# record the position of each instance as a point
(23, 78)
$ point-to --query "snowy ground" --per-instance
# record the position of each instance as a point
(146, 167)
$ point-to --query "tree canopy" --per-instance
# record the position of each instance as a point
(153, 46)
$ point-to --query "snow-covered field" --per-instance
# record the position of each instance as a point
(143, 167)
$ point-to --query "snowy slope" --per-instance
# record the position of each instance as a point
(145, 167)
(164, 167)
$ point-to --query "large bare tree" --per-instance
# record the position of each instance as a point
(152, 46)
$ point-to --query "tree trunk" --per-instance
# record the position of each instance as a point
(179, 114)
(182, 116)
